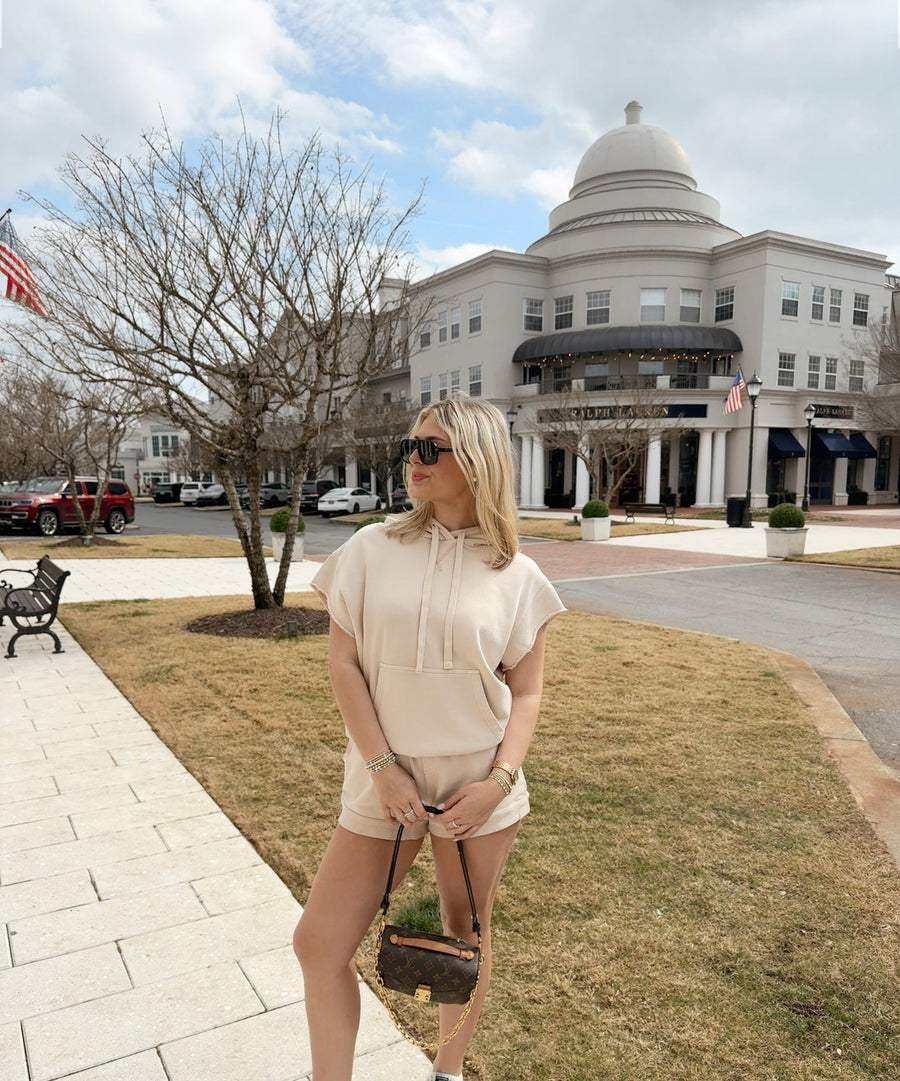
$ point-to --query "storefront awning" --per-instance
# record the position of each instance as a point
(782, 444)
(831, 445)
(862, 448)
(713, 340)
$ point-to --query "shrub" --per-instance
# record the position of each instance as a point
(786, 516)
(595, 508)
(371, 520)
(278, 523)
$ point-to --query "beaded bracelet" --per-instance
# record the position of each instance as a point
(381, 761)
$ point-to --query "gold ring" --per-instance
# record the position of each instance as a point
(455, 824)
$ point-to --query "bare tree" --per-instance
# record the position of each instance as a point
(609, 433)
(21, 455)
(237, 290)
(78, 425)
(372, 430)
(879, 350)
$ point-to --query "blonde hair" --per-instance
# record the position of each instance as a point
(480, 439)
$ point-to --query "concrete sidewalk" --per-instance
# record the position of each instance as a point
(143, 937)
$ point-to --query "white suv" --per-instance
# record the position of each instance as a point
(191, 489)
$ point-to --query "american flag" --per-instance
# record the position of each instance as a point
(735, 400)
(20, 284)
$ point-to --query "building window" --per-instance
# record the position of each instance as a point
(425, 390)
(443, 385)
(857, 375)
(454, 384)
(689, 310)
(817, 308)
(454, 324)
(164, 446)
(831, 373)
(786, 364)
(597, 308)
(834, 308)
(474, 316)
(442, 326)
(563, 307)
(790, 299)
(724, 304)
(533, 314)
(425, 336)
(653, 305)
(475, 381)
(813, 372)
(860, 310)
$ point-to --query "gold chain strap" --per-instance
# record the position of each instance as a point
(382, 993)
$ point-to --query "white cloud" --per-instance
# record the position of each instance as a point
(431, 260)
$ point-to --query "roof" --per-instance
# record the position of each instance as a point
(715, 340)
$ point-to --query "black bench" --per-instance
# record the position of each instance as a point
(666, 509)
(32, 607)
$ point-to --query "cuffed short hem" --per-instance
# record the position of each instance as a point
(503, 817)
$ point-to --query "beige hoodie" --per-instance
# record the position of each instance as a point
(435, 629)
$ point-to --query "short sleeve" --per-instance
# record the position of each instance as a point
(537, 606)
(336, 583)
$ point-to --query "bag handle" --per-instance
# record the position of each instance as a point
(386, 900)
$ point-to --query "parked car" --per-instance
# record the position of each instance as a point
(311, 492)
(191, 489)
(271, 494)
(347, 501)
(400, 499)
(47, 504)
(274, 494)
(213, 495)
(167, 493)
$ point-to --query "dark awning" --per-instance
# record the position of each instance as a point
(831, 445)
(862, 448)
(782, 444)
(639, 339)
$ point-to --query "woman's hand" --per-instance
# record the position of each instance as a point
(467, 810)
(398, 795)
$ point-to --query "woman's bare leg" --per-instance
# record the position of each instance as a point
(485, 857)
(342, 903)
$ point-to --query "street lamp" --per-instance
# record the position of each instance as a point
(511, 415)
(754, 386)
(809, 412)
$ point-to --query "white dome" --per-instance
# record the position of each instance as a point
(633, 151)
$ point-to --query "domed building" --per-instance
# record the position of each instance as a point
(613, 343)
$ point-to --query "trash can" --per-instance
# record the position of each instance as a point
(734, 510)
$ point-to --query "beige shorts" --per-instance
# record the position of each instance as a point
(436, 779)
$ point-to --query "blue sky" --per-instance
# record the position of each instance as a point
(787, 110)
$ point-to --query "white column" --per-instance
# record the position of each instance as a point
(704, 469)
(717, 495)
(351, 472)
(537, 474)
(654, 464)
(525, 471)
(582, 484)
(839, 494)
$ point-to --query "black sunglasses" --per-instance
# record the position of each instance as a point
(427, 450)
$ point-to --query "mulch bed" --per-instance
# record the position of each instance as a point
(96, 542)
(261, 623)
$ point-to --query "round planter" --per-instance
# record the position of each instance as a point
(278, 548)
(595, 529)
(781, 543)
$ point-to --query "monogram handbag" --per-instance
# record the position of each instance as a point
(427, 967)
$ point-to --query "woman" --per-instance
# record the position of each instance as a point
(436, 653)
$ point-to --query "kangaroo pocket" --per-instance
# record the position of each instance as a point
(437, 712)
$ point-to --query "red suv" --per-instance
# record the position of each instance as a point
(47, 505)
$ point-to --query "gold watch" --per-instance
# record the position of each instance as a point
(508, 769)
